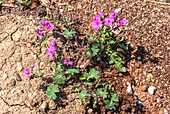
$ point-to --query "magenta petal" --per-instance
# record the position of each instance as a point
(70, 63)
(40, 32)
(47, 24)
(27, 73)
(97, 24)
(64, 62)
(108, 21)
(52, 43)
(51, 51)
(122, 21)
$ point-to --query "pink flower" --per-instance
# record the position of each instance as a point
(97, 24)
(75, 17)
(108, 21)
(70, 63)
(51, 51)
(99, 15)
(32, 65)
(122, 21)
(113, 15)
(64, 62)
(27, 73)
(52, 43)
(47, 24)
(40, 32)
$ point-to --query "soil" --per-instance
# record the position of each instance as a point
(147, 35)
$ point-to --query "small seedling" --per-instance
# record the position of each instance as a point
(69, 33)
(51, 91)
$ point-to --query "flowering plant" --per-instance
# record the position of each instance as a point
(105, 46)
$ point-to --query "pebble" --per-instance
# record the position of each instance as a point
(149, 76)
(18, 77)
(143, 88)
(90, 111)
(44, 106)
(5, 76)
(129, 88)
(165, 111)
(12, 82)
(52, 105)
(151, 90)
(19, 66)
(139, 103)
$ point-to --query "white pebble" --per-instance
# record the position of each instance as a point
(129, 88)
(165, 111)
(151, 90)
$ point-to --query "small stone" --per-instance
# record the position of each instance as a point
(12, 82)
(129, 88)
(90, 111)
(151, 90)
(44, 106)
(149, 76)
(165, 111)
(52, 105)
(18, 77)
(5, 76)
(19, 66)
(139, 103)
(143, 88)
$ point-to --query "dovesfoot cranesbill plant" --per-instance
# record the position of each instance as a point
(101, 48)
(105, 45)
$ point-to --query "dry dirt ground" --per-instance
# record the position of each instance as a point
(147, 33)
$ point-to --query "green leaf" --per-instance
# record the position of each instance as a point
(95, 50)
(59, 78)
(91, 38)
(51, 95)
(27, 3)
(84, 94)
(88, 53)
(39, 73)
(67, 21)
(88, 83)
(122, 69)
(102, 93)
(44, 41)
(59, 67)
(72, 71)
(69, 33)
(109, 105)
(1, 2)
(51, 90)
(93, 74)
(114, 97)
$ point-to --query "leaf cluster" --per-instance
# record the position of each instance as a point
(109, 51)
(60, 78)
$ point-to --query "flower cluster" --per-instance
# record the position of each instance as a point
(97, 23)
(65, 62)
(27, 71)
(47, 24)
(40, 32)
(51, 50)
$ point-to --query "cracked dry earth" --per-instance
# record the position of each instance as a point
(18, 95)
